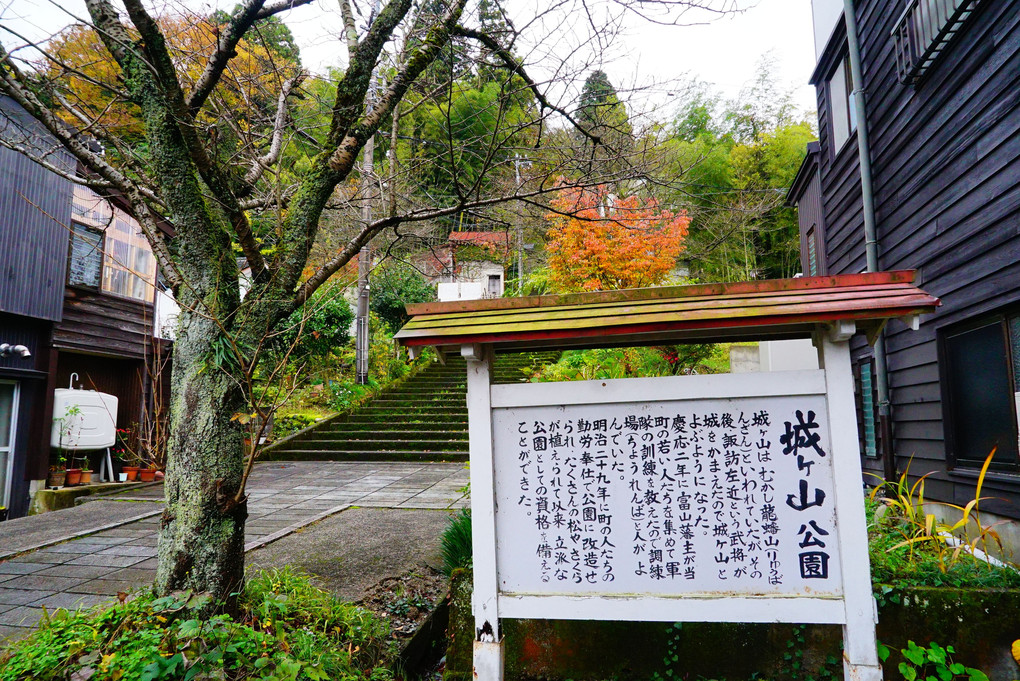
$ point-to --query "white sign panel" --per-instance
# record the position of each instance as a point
(681, 497)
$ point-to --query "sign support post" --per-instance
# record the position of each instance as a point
(488, 645)
(860, 655)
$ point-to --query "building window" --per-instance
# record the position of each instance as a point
(812, 253)
(981, 391)
(109, 250)
(494, 287)
(841, 107)
(866, 397)
(924, 31)
(86, 262)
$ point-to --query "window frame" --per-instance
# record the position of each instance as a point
(8, 480)
(954, 463)
(75, 225)
(858, 373)
(849, 112)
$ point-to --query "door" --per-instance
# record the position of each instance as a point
(8, 418)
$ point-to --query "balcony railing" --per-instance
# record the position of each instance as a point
(923, 32)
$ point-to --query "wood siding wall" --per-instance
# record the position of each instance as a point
(946, 163)
(102, 324)
(35, 215)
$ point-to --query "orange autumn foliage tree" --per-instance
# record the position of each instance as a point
(599, 242)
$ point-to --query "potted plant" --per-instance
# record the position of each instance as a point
(86, 472)
(71, 419)
(57, 471)
(147, 474)
(73, 476)
(127, 457)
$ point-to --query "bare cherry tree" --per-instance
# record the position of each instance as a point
(184, 128)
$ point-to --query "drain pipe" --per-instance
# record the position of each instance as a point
(870, 232)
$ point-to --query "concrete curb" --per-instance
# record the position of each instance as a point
(290, 529)
(79, 535)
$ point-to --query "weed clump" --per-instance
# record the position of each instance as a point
(286, 629)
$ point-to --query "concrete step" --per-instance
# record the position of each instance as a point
(403, 409)
(387, 445)
(332, 455)
(400, 432)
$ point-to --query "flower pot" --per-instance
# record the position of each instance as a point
(3, 514)
(86, 477)
(121, 477)
(73, 477)
(56, 478)
(131, 472)
(147, 474)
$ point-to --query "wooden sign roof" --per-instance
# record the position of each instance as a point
(753, 310)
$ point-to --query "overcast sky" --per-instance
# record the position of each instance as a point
(723, 52)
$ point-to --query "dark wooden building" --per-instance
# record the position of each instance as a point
(77, 288)
(942, 86)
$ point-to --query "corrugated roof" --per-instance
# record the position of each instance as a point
(777, 308)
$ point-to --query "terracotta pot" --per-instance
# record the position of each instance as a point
(147, 474)
(73, 477)
(56, 478)
(132, 472)
(86, 477)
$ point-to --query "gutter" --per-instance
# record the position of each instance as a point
(870, 231)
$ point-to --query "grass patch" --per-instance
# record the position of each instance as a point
(286, 629)
(456, 543)
(897, 564)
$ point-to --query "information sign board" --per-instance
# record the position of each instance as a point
(666, 497)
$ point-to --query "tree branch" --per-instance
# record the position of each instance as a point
(166, 79)
(517, 68)
(343, 158)
(260, 164)
(350, 30)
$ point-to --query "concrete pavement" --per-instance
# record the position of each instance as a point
(94, 551)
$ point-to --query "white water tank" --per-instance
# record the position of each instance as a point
(93, 425)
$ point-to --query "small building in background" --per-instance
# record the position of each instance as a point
(469, 266)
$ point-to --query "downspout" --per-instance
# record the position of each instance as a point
(870, 232)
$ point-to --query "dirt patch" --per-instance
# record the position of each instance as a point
(407, 600)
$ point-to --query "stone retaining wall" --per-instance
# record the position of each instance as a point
(980, 625)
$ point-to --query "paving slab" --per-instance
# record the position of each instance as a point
(20, 567)
(21, 616)
(44, 582)
(81, 571)
(22, 596)
(71, 601)
(111, 587)
(24, 534)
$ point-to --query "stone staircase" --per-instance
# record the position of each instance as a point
(422, 419)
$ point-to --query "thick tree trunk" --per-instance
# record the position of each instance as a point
(201, 541)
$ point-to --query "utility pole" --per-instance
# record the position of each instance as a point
(361, 330)
(520, 231)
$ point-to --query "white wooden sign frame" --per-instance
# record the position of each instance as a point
(855, 609)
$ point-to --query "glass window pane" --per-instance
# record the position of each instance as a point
(86, 257)
(6, 415)
(981, 395)
(130, 269)
(868, 409)
(838, 106)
